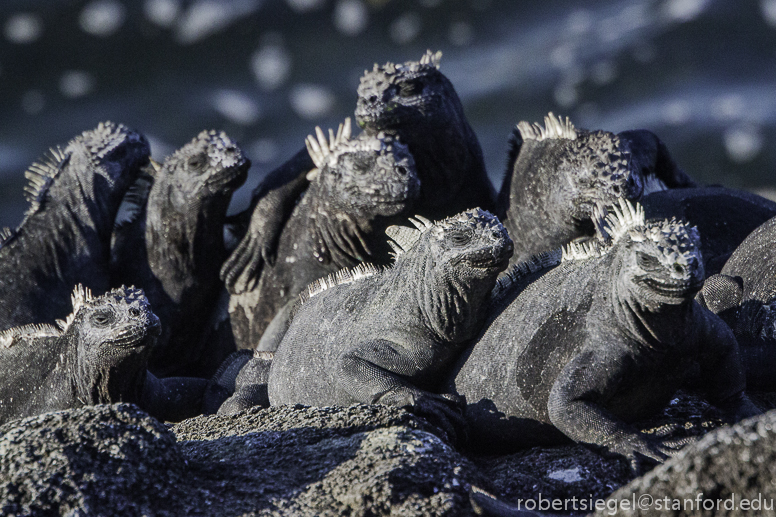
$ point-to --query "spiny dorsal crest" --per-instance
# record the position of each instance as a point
(553, 128)
(610, 228)
(324, 152)
(431, 58)
(403, 238)
(40, 175)
(517, 273)
(343, 276)
(80, 297)
(6, 234)
(31, 331)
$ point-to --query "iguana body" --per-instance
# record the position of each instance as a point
(64, 239)
(582, 349)
(360, 186)
(97, 355)
(744, 296)
(385, 336)
(413, 100)
(173, 248)
(723, 216)
(558, 176)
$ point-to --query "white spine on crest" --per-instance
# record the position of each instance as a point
(320, 149)
(40, 175)
(624, 218)
(33, 330)
(403, 238)
(553, 128)
(80, 297)
(343, 276)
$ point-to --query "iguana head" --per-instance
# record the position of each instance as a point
(660, 260)
(589, 168)
(399, 96)
(458, 260)
(368, 175)
(110, 151)
(113, 335)
(209, 167)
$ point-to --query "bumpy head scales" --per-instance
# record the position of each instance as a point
(82, 298)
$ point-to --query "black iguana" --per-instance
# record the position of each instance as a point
(96, 355)
(358, 188)
(385, 336)
(578, 348)
(64, 239)
(172, 246)
(744, 296)
(558, 175)
(418, 103)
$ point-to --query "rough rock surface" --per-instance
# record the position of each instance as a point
(108, 459)
(735, 461)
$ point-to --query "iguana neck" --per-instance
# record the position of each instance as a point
(450, 307)
(107, 384)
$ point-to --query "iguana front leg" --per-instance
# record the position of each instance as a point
(378, 372)
(273, 201)
(575, 408)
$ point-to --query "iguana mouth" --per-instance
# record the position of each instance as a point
(487, 259)
(672, 289)
(228, 176)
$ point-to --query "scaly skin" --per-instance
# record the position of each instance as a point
(64, 239)
(174, 248)
(558, 176)
(580, 350)
(360, 187)
(387, 336)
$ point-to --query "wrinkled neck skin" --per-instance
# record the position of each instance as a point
(655, 325)
(106, 379)
(452, 306)
(341, 235)
(185, 244)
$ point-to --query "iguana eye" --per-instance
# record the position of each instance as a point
(409, 89)
(647, 262)
(461, 237)
(197, 162)
(102, 318)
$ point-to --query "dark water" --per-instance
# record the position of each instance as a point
(700, 73)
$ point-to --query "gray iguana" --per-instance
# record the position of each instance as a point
(172, 246)
(744, 296)
(385, 336)
(64, 239)
(358, 188)
(579, 347)
(723, 216)
(418, 103)
(558, 176)
(96, 355)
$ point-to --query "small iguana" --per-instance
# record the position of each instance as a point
(64, 239)
(579, 347)
(723, 216)
(557, 176)
(386, 336)
(413, 100)
(172, 246)
(744, 296)
(359, 187)
(96, 355)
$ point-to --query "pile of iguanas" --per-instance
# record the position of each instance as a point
(577, 301)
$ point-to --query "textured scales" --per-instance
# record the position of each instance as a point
(558, 177)
(74, 194)
(170, 242)
(580, 348)
(415, 100)
(388, 336)
(362, 185)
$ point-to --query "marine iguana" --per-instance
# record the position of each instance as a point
(723, 216)
(418, 103)
(96, 355)
(557, 175)
(385, 336)
(358, 188)
(580, 345)
(172, 246)
(74, 194)
(744, 296)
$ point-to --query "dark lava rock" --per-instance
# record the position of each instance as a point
(296, 460)
(726, 466)
(99, 460)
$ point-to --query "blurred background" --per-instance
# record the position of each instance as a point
(699, 73)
